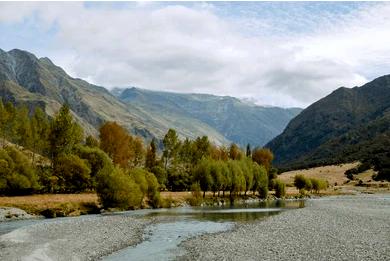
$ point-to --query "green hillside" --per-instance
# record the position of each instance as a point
(348, 124)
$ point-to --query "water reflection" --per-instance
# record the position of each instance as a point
(235, 213)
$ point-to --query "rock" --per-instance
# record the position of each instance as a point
(9, 213)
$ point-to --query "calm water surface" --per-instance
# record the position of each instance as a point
(162, 239)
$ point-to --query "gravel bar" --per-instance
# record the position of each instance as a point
(82, 238)
(332, 228)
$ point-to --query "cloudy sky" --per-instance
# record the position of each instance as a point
(283, 54)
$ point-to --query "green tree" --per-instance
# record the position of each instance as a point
(40, 128)
(151, 156)
(95, 158)
(116, 189)
(17, 174)
(203, 176)
(300, 181)
(260, 180)
(280, 188)
(91, 142)
(171, 147)
(73, 173)
(64, 133)
(23, 128)
(248, 150)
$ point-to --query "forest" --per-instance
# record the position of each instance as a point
(42, 154)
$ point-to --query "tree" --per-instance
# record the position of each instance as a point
(203, 176)
(280, 188)
(116, 189)
(151, 156)
(235, 152)
(64, 133)
(73, 173)
(3, 121)
(17, 174)
(138, 152)
(248, 150)
(23, 128)
(201, 149)
(171, 147)
(40, 128)
(95, 158)
(115, 141)
(263, 156)
(300, 181)
(260, 180)
(91, 142)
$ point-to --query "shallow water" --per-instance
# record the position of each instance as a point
(162, 239)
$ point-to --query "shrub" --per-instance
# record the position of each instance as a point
(318, 184)
(95, 158)
(300, 181)
(73, 173)
(148, 185)
(17, 175)
(280, 188)
(196, 197)
(117, 190)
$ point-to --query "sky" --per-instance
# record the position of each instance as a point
(286, 54)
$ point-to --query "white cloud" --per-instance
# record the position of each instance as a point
(195, 49)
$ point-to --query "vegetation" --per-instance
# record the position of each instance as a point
(280, 189)
(303, 184)
(346, 126)
(54, 157)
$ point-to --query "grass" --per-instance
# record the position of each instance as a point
(54, 204)
(338, 182)
(333, 174)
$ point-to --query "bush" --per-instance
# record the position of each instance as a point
(300, 181)
(17, 175)
(318, 184)
(115, 189)
(73, 173)
(196, 197)
(148, 184)
(280, 188)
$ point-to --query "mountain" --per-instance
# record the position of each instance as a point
(38, 82)
(348, 124)
(26, 79)
(237, 121)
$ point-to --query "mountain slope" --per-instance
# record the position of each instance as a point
(24, 78)
(346, 125)
(236, 120)
(38, 82)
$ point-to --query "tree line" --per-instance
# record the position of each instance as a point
(52, 155)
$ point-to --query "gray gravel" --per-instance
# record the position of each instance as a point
(333, 228)
(9, 213)
(84, 238)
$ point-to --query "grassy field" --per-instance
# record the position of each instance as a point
(338, 182)
(334, 174)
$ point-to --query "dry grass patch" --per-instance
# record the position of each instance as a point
(332, 173)
(64, 204)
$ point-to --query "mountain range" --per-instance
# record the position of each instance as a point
(348, 124)
(26, 79)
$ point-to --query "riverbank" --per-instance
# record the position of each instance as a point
(81, 238)
(331, 228)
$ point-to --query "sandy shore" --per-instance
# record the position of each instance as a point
(332, 228)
